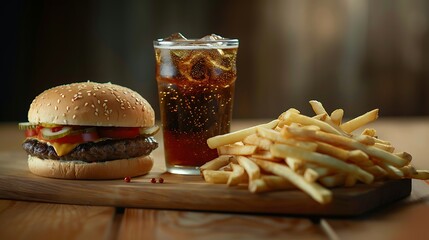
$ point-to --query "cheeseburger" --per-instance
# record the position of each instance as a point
(90, 131)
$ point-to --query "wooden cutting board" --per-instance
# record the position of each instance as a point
(190, 193)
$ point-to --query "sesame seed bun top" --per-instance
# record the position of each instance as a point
(92, 104)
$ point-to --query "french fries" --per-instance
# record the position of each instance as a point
(310, 153)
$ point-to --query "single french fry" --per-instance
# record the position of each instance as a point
(387, 148)
(215, 176)
(348, 143)
(251, 168)
(216, 163)
(237, 175)
(421, 174)
(360, 121)
(369, 132)
(337, 116)
(269, 183)
(236, 150)
(404, 155)
(279, 150)
(317, 192)
(230, 138)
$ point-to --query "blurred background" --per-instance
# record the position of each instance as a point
(351, 54)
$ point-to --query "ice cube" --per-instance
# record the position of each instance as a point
(211, 37)
(175, 37)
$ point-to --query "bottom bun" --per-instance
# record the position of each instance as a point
(115, 169)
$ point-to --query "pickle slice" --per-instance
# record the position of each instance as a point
(48, 134)
(150, 131)
(49, 125)
(26, 125)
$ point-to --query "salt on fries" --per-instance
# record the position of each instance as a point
(309, 153)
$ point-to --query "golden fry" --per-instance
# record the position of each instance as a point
(215, 176)
(360, 121)
(269, 183)
(337, 116)
(236, 176)
(236, 150)
(216, 163)
(251, 168)
(233, 137)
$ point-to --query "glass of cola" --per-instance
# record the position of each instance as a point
(196, 80)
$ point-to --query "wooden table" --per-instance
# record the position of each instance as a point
(36, 220)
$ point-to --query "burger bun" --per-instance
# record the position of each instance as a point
(115, 169)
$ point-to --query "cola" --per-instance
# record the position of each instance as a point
(196, 80)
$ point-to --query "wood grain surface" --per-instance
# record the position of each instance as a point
(151, 224)
(54, 221)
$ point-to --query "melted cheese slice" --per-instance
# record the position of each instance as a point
(63, 148)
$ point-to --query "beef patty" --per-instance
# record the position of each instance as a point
(95, 151)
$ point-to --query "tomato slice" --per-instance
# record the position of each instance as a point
(31, 132)
(119, 132)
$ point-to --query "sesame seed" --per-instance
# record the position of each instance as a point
(86, 104)
(76, 108)
(92, 105)
(59, 100)
(74, 116)
(96, 113)
(96, 109)
(67, 108)
(49, 104)
(98, 101)
(56, 107)
(105, 100)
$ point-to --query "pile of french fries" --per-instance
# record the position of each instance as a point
(313, 154)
